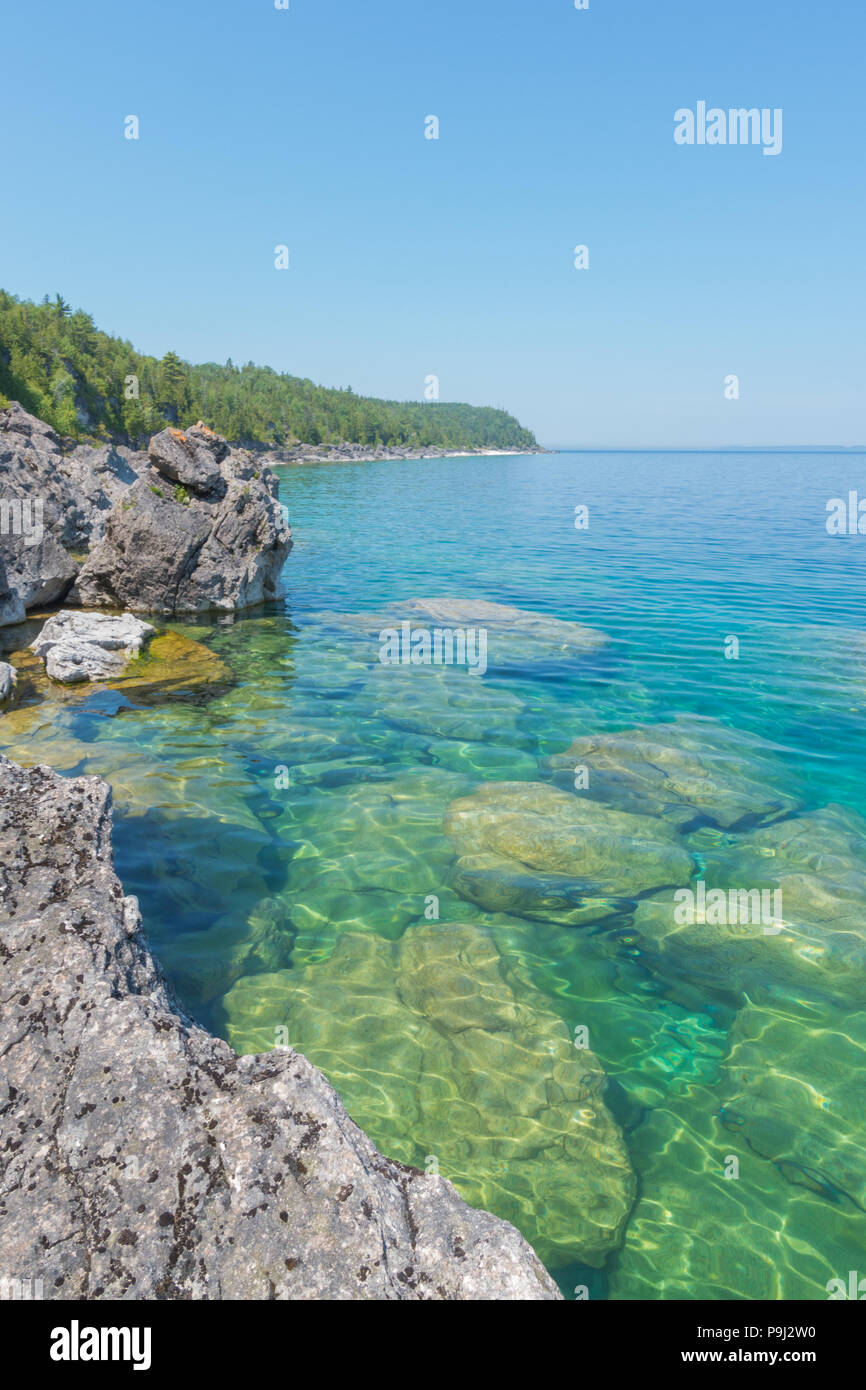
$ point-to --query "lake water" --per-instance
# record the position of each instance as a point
(284, 832)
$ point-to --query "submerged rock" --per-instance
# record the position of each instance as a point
(816, 863)
(173, 661)
(794, 1088)
(89, 646)
(437, 1049)
(201, 531)
(141, 1158)
(532, 850)
(443, 703)
(686, 773)
(204, 965)
(513, 635)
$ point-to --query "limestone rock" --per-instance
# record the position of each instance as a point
(688, 773)
(794, 1088)
(191, 458)
(817, 861)
(89, 646)
(7, 681)
(214, 542)
(65, 498)
(140, 1158)
(433, 1049)
(535, 851)
(514, 635)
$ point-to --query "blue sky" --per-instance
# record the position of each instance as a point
(412, 257)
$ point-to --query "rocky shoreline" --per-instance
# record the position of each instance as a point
(360, 453)
(140, 1157)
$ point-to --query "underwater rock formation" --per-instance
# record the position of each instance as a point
(687, 773)
(430, 1044)
(532, 850)
(140, 1158)
(513, 635)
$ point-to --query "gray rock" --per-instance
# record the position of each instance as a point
(33, 467)
(191, 458)
(140, 1158)
(102, 477)
(195, 546)
(11, 608)
(194, 528)
(89, 646)
(54, 505)
(38, 575)
(8, 677)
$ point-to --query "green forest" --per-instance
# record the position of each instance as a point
(89, 385)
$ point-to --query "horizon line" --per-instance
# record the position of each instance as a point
(705, 448)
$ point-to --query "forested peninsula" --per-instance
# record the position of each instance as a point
(91, 386)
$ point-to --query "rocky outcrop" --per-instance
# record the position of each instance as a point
(89, 646)
(200, 531)
(140, 1158)
(193, 527)
(55, 506)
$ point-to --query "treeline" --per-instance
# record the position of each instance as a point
(88, 384)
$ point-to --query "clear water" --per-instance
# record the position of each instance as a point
(249, 886)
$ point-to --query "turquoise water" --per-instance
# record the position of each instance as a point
(284, 829)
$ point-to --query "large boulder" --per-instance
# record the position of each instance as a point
(538, 852)
(442, 1055)
(140, 1158)
(89, 646)
(794, 1088)
(191, 458)
(816, 862)
(201, 531)
(689, 772)
(54, 505)
(513, 636)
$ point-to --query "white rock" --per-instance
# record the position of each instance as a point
(80, 647)
(8, 678)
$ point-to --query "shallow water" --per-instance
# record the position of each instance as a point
(254, 892)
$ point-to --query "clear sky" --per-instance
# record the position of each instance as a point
(412, 257)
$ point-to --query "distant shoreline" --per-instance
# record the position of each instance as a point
(323, 453)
